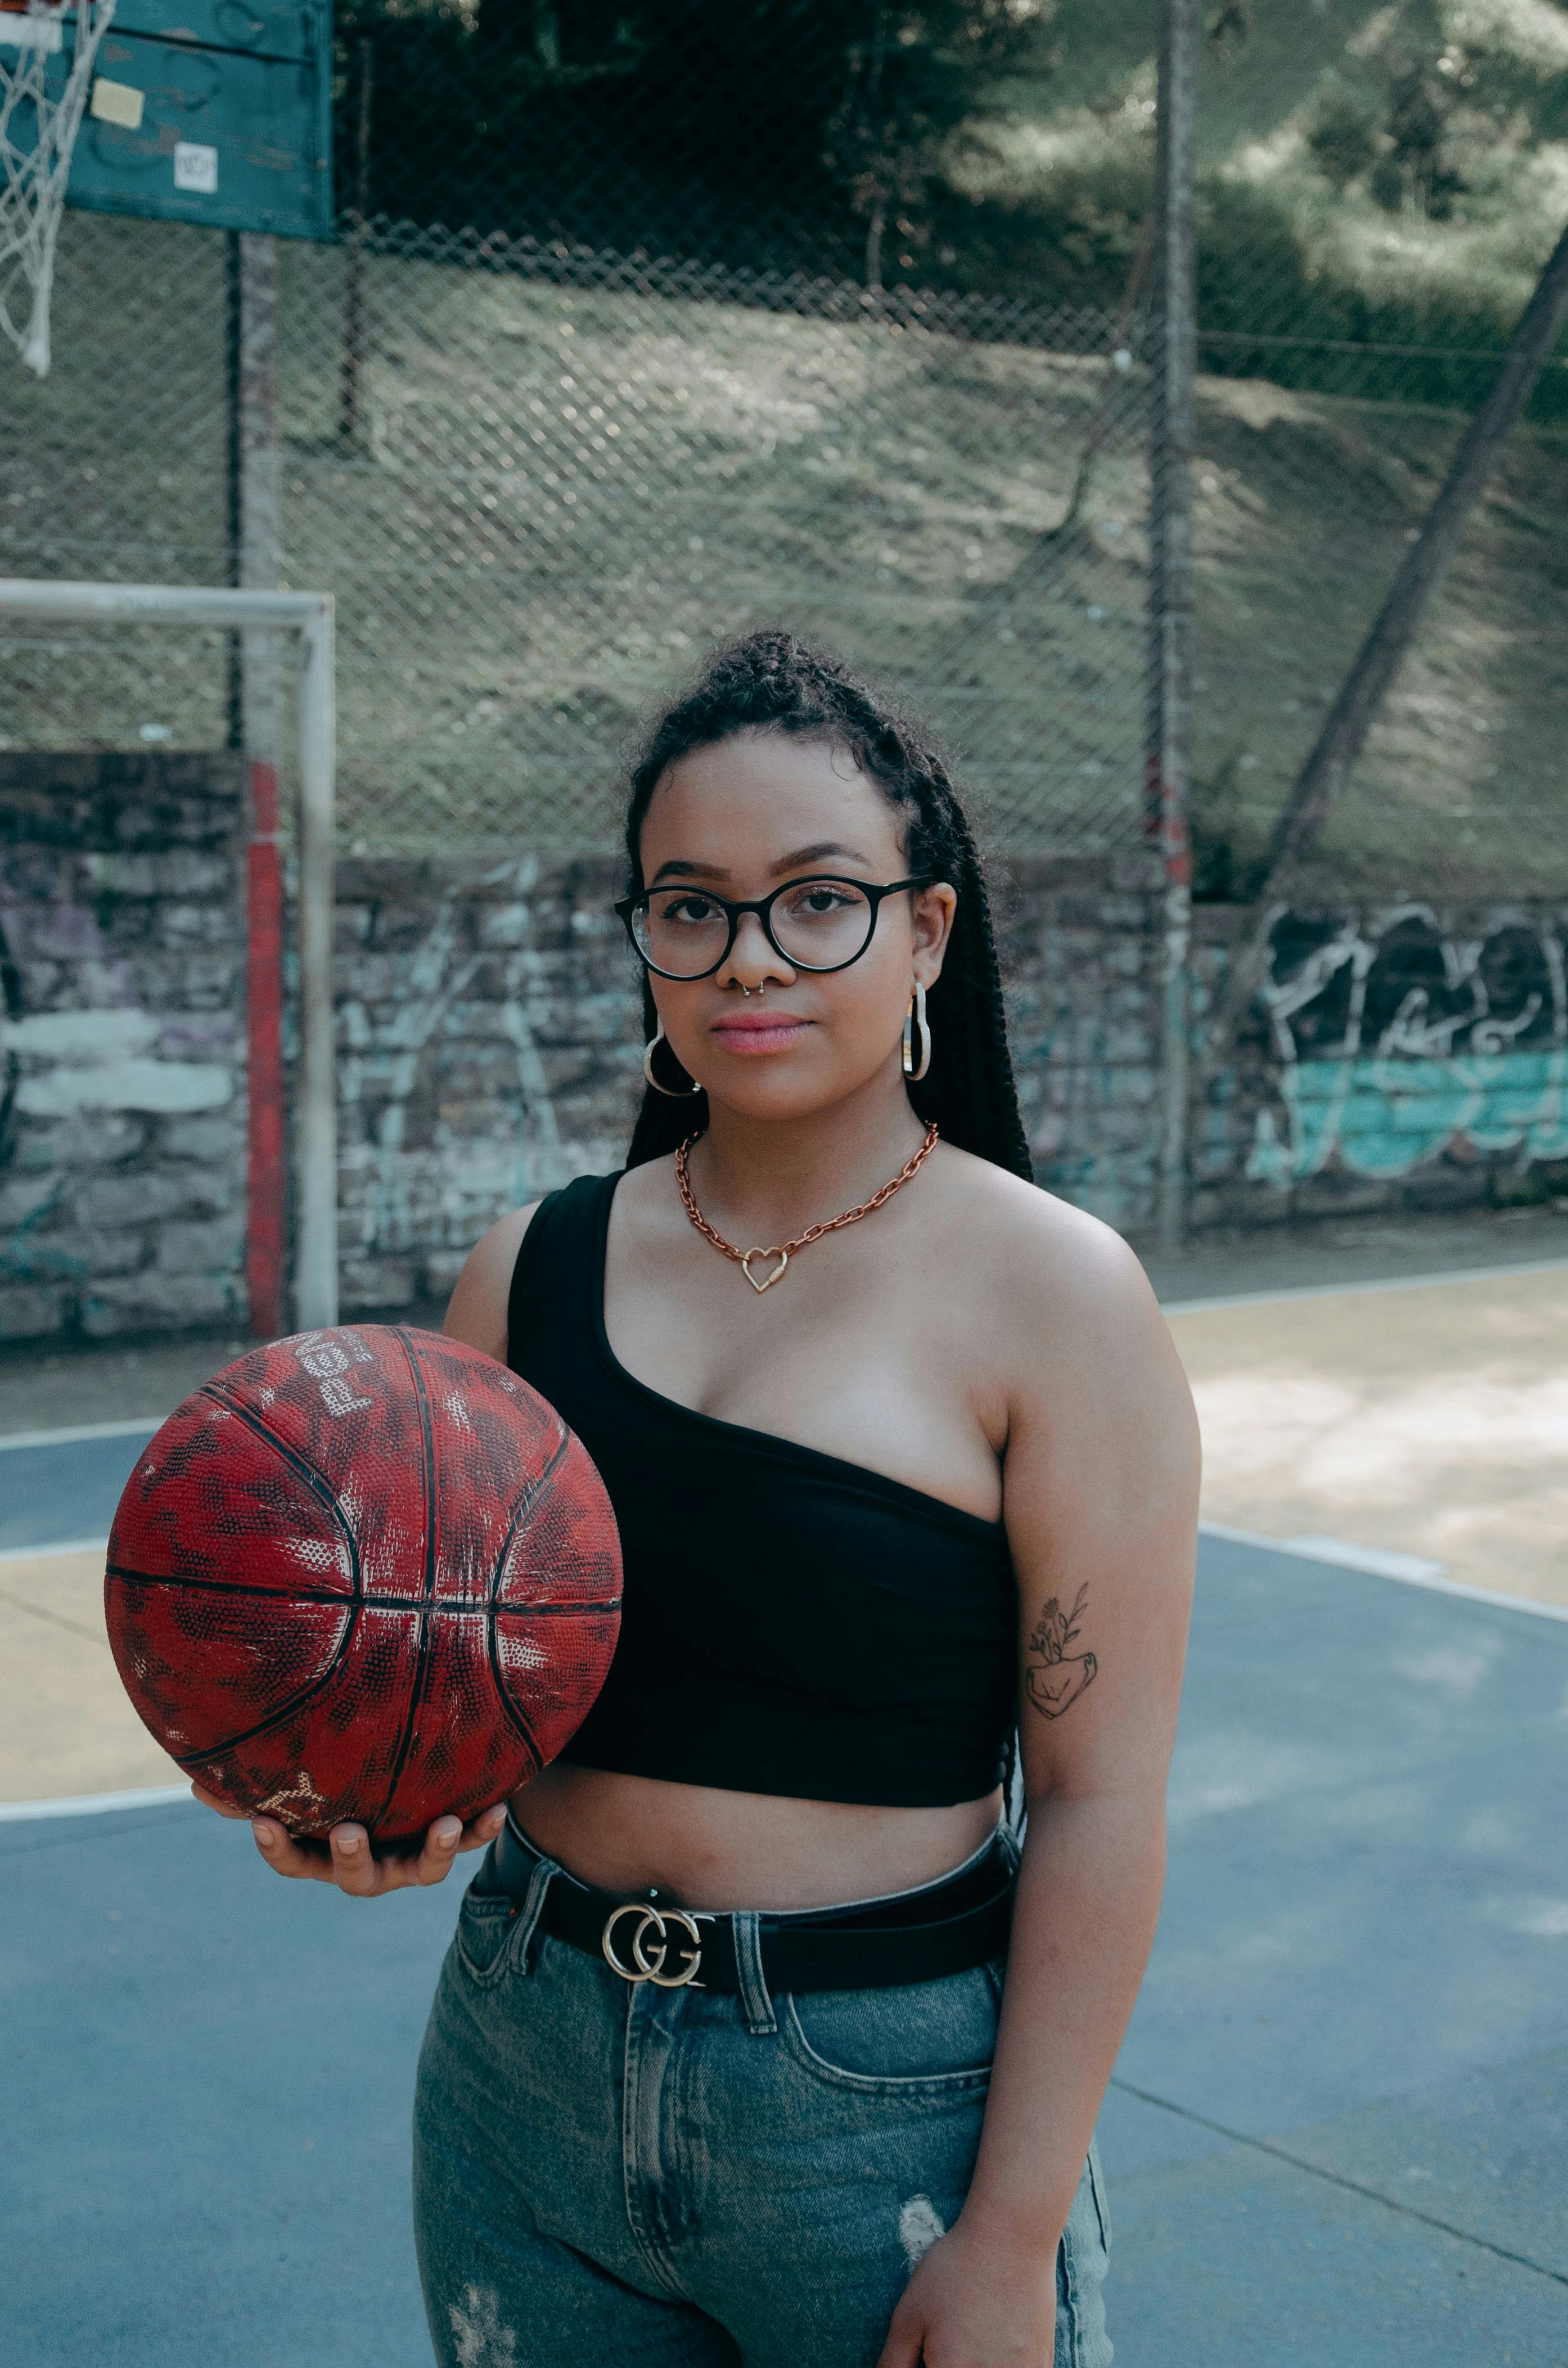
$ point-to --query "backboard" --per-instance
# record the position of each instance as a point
(214, 111)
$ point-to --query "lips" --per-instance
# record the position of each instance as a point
(758, 1031)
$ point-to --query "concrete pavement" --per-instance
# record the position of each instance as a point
(1336, 2137)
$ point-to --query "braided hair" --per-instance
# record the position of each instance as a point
(769, 681)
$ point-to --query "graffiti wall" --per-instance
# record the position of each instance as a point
(1401, 1056)
(1410, 1056)
(121, 1044)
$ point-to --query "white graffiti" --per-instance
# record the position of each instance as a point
(1400, 1043)
(403, 1192)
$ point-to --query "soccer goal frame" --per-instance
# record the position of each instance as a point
(308, 617)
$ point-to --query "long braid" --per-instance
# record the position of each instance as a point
(768, 680)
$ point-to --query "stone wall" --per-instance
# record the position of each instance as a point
(1411, 1056)
(121, 1044)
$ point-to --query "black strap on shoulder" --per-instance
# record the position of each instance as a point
(555, 1264)
(520, 1297)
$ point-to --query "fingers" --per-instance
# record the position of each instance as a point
(441, 1848)
(485, 1828)
(299, 1860)
(348, 1859)
(355, 1866)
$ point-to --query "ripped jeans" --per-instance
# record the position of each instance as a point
(607, 2171)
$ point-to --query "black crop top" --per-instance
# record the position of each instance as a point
(792, 1623)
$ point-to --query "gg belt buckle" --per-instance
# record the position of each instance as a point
(648, 1962)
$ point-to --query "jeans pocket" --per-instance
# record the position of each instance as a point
(920, 2037)
(487, 1923)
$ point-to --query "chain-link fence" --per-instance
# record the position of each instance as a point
(552, 482)
(787, 314)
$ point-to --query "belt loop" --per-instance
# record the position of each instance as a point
(542, 1876)
(761, 2020)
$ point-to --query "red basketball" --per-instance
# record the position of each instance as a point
(365, 1573)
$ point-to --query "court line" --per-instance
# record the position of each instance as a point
(1377, 1565)
(80, 1430)
(93, 1805)
(1339, 2179)
(1360, 1290)
(53, 1547)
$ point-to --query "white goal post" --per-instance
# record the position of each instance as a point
(309, 617)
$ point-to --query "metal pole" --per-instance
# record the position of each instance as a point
(1169, 762)
(354, 262)
(254, 528)
(258, 469)
(315, 1286)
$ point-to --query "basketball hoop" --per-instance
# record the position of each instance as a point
(41, 114)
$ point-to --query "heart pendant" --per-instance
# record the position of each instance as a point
(768, 1280)
(1056, 1687)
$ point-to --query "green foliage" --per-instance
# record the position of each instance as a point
(771, 133)
(1391, 171)
(1342, 136)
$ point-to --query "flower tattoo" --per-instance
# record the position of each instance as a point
(1055, 1681)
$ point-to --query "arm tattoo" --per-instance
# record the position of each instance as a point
(1056, 1680)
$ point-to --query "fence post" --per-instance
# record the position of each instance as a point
(354, 257)
(1169, 757)
(253, 725)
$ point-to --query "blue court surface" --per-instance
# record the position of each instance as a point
(62, 1484)
(1338, 2136)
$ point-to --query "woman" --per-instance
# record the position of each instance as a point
(724, 2067)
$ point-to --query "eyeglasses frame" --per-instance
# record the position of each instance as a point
(735, 911)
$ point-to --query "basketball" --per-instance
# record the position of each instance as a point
(364, 1572)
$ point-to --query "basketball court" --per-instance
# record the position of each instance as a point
(1338, 2129)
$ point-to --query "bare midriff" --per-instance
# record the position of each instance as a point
(704, 1848)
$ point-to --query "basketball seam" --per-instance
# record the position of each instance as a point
(254, 1592)
(321, 1488)
(529, 1496)
(424, 1648)
(290, 1709)
(316, 1482)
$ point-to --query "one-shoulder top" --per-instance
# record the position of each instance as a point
(792, 1623)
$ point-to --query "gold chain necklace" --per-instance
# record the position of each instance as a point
(785, 1251)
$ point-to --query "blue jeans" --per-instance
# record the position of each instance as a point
(610, 2172)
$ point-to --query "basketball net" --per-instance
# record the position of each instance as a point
(38, 133)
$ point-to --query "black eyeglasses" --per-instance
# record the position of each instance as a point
(818, 924)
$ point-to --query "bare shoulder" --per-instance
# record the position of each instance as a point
(1098, 1414)
(477, 1311)
(1049, 1269)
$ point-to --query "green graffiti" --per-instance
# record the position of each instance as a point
(1385, 1115)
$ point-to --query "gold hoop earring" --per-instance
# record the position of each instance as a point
(913, 1018)
(675, 1093)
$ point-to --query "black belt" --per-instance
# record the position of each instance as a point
(915, 1937)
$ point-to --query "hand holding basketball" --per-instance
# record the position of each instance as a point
(346, 1859)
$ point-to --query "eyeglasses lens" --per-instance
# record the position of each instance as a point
(819, 924)
(823, 923)
(681, 931)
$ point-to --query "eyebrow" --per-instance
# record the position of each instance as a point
(800, 857)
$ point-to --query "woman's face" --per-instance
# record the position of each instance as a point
(740, 818)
